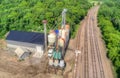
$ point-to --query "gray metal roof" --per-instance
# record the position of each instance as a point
(27, 37)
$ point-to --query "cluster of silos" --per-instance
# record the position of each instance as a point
(57, 42)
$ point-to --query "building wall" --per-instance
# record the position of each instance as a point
(15, 44)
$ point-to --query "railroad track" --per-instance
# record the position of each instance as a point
(95, 51)
(98, 54)
(92, 50)
(86, 61)
(92, 66)
(77, 47)
(91, 47)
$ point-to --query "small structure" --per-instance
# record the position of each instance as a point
(22, 53)
(27, 40)
(39, 52)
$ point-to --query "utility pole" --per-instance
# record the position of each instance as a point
(45, 34)
(76, 61)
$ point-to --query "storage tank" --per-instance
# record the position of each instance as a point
(67, 29)
(51, 62)
(51, 38)
(60, 32)
(50, 51)
(63, 34)
(62, 63)
(57, 55)
(56, 63)
(61, 42)
(67, 26)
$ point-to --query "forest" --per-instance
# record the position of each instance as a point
(27, 15)
(109, 22)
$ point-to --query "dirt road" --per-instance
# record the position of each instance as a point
(92, 61)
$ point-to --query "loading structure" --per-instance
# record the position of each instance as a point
(57, 43)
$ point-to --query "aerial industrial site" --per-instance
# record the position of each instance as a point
(59, 39)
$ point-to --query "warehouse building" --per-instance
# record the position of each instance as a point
(27, 40)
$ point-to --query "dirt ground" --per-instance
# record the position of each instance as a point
(11, 67)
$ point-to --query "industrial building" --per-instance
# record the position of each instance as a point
(54, 43)
(27, 40)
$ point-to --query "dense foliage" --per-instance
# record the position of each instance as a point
(109, 22)
(27, 15)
